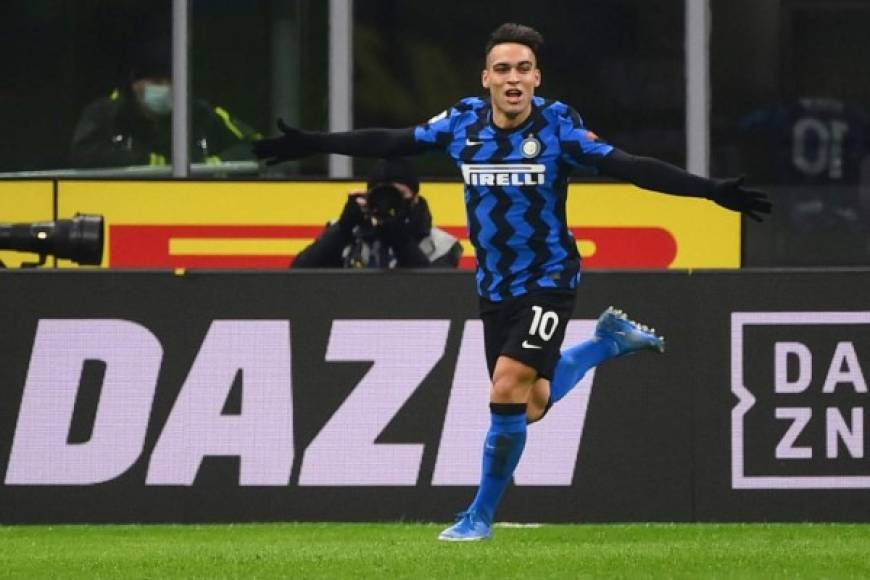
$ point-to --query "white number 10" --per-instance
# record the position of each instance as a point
(544, 323)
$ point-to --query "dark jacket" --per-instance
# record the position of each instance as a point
(113, 132)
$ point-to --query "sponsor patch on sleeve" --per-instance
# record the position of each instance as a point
(438, 117)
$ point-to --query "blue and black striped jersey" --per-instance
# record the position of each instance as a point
(516, 184)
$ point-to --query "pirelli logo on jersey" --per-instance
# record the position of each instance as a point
(504, 175)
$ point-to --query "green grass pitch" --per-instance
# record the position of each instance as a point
(390, 551)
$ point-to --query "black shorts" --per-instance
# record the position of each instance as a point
(528, 328)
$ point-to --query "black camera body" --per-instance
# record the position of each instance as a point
(384, 202)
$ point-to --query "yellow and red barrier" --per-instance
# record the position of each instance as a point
(207, 224)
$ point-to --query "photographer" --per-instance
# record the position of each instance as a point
(387, 226)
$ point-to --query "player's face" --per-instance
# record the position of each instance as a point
(511, 76)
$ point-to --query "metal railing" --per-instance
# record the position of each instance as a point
(140, 171)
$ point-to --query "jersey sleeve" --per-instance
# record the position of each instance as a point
(437, 132)
(580, 146)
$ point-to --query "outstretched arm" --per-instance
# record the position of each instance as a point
(296, 143)
(656, 175)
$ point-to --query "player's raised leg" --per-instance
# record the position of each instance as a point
(615, 335)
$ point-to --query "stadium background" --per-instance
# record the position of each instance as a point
(622, 64)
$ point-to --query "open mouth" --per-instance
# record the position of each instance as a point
(513, 95)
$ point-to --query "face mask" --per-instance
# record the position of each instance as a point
(157, 99)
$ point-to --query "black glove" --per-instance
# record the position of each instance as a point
(292, 145)
(419, 219)
(352, 215)
(730, 194)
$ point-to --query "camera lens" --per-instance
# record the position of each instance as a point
(385, 201)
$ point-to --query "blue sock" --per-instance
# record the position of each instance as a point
(501, 453)
(574, 363)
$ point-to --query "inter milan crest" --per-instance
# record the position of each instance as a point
(530, 147)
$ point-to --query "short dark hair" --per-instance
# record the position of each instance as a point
(519, 33)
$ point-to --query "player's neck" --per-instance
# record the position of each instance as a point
(506, 121)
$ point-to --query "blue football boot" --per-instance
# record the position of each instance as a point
(469, 527)
(627, 336)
